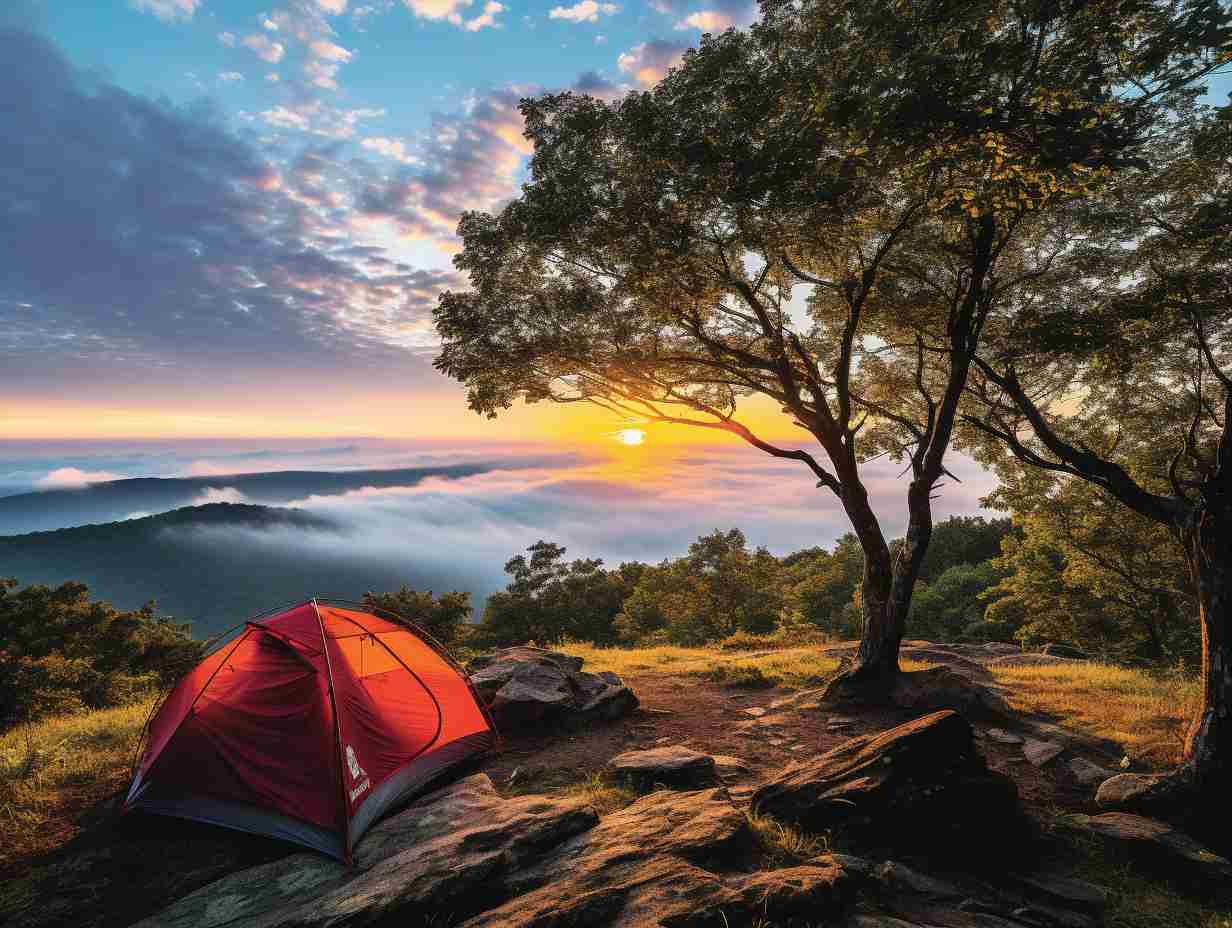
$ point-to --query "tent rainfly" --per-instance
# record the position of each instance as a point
(308, 725)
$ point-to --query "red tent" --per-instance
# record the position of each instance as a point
(308, 725)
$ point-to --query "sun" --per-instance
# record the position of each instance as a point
(630, 436)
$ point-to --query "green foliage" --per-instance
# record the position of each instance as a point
(945, 609)
(1084, 570)
(444, 618)
(718, 589)
(549, 599)
(63, 651)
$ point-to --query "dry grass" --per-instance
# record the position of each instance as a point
(790, 667)
(1148, 714)
(784, 845)
(602, 792)
(54, 763)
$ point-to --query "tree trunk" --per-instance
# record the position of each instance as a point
(1208, 549)
(1195, 794)
(885, 599)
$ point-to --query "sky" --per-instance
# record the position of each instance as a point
(232, 218)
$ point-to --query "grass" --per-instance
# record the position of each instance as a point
(782, 844)
(1147, 714)
(49, 764)
(796, 667)
(602, 792)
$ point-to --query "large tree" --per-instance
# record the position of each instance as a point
(876, 158)
(1126, 345)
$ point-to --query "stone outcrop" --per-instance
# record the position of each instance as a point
(525, 685)
(467, 853)
(1159, 846)
(897, 896)
(673, 766)
(923, 781)
(443, 853)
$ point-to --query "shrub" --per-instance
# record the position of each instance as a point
(64, 652)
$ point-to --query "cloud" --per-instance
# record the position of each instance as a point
(219, 495)
(472, 160)
(707, 21)
(584, 11)
(596, 85)
(451, 12)
(390, 148)
(201, 253)
(648, 62)
(332, 7)
(169, 11)
(65, 477)
(265, 48)
(282, 118)
(229, 38)
(230, 76)
(321, 74)
(329, 51)
(486, 18)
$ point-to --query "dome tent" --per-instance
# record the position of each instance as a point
(307, 725)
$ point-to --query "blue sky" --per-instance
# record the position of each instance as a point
(214, 201)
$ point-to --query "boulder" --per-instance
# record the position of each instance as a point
(1159, 846)
(1088, 773)
(1121, 791)
(443, 853)
(920, 783)
(1001, 736)
(527, 685)
(528, 654)
(673, 765)
(819, 886)
(948, 687)
(1041, 752)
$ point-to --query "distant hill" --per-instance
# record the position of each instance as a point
(113, 500)
(215, 564)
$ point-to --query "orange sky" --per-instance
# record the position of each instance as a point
(329, 415)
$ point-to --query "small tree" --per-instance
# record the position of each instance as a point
(1127, 345)
(443, 618)
(881, 157)
(549, 598)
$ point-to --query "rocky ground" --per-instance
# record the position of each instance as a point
(757, 808)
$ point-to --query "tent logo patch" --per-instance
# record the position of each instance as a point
(353, 763)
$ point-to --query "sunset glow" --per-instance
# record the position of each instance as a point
(630, 436)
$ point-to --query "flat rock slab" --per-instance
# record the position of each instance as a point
(755, 711)
(1066, 891)
(1001, 736)
(442, 853)
(921, 781)
(646, 865)
(1159, 846)
(729, 767)
(1088, 773)
(1041, 752)
(673, 765)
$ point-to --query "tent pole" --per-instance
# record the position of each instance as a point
(333, 705)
